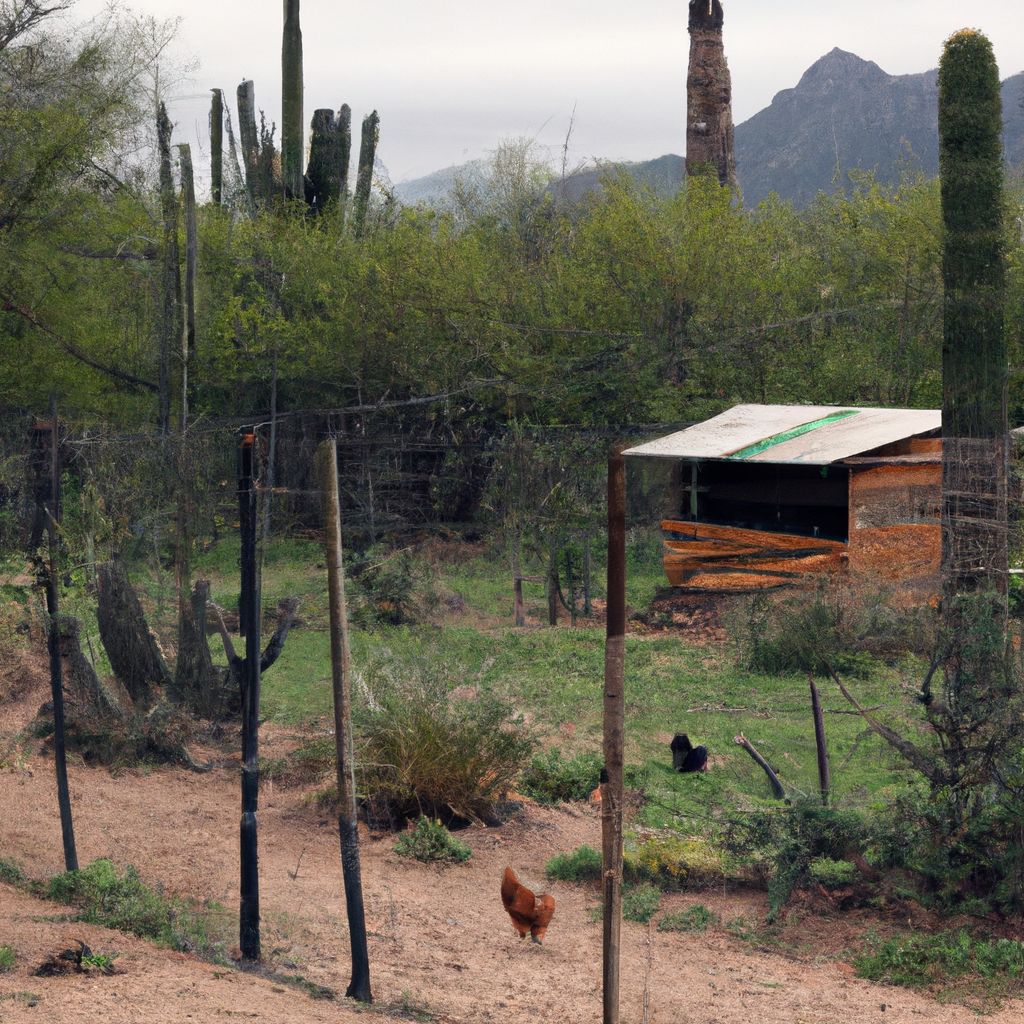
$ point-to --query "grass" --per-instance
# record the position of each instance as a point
(430, 842)
(697, 918)
(6, 959)
(581, 865)
(640, 903)
(122, 901)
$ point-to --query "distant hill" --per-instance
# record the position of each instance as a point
(844, 114)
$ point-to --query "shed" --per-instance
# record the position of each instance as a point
(772, 495)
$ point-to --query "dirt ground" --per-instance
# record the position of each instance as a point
(440, 942)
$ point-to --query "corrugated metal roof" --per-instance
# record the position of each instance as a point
(815, 435)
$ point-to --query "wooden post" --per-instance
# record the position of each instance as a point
(249, 139)
(216, 146)
(291, 102)
(60, 763)
(517, 600)
(614, 726)
(344, 148)
(188, 337)
(348, 832)
(249, 887)
(168, 328)
(824, 772)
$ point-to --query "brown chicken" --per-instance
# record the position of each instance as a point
(530, 915)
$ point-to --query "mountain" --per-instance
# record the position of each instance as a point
(845, 114)
(437, 186)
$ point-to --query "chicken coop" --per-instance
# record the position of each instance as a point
(767, 496)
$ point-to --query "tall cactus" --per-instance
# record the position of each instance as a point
(974, 360)
(709, 129)
(364, 177)
(291, 101)
(249, 139)
(323, 175)
(169, 323)
(345, 146)
(216, 146)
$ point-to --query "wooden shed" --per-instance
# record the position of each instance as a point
(774, 495)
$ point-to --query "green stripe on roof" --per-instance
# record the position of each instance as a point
(787, 435)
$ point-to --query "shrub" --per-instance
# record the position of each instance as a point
(125, 903)
(671, 861)
(393, 588)
(640, 903)
(10, 873)
(424, 751)
(306, 763)
(581, 865)
(924, 960)
(6, 959)
(693, 919)
(552, 779)
(430, 841)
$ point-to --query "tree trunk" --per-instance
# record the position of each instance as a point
(292, 121)
(216, 146)
(778, 791)
(364, 178)
(131, 648)
(81, 676)
(344, 148)
(553, 586)
(169, 325)
(250, 141)
(709, 130)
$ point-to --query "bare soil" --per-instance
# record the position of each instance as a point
(440, 942)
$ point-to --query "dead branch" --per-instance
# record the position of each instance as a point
(777, 788)
(286, 611)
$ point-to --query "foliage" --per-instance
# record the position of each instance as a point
(122, 901)
(6, 959)
(672, 861)
(10, 873)
(430, 841)
(923, 960)
(392, 587)
(832, 873)
(551, 778)
(424, 749)
(696, 918)
(580, 865)
(640, 903)
(308, 762)
(788, 841)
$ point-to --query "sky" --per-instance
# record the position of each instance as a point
(453, 78)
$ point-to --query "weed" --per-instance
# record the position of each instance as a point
(581, 865)
(10, 873)
(6, 959)
(102, 962)
(306, 763)
(640, 903)
(924, 960)
(832, 873)
(409, 1007)
(552, 779)
(311, 988)
(430, 841)
(125, 903)
(693, 919)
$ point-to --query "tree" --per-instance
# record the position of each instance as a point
(291, 101)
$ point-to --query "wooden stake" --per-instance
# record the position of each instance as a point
(348, 833)
(53, 644)
(249, 908)
(824, 772)
(216, 146)
(614, 718)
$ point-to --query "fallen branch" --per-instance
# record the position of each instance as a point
(777, 787)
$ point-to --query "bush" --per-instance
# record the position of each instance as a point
(123, 902)
(552, 779)
(786, 841)
(582, 865)
(10, 873)
(393, 588)
(424, 751)
(925, 960)
(430, 841)
(640, 903)
(671, 861)
(6, 959)
(693, 919)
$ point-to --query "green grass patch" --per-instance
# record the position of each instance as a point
(640, 903)
(122, 901)
(581, 865)
(697, 918)
(10, 873)
(7, 959)
(430, 842)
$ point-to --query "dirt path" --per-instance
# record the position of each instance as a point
(439, 937)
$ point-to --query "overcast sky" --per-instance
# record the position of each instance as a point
(452, 78)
